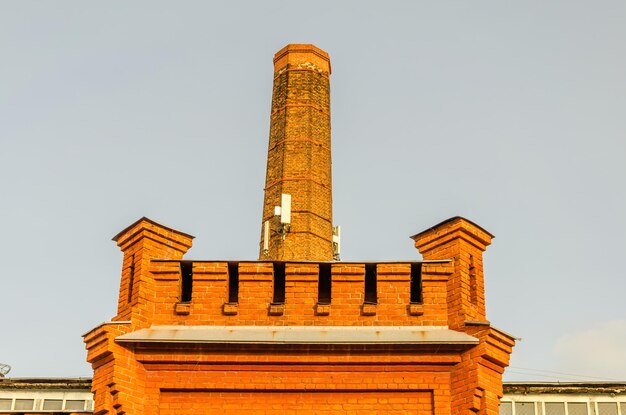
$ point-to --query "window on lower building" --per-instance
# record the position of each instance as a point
(6, 403)
(52, 404)
(577, 408)
(608, 408)
(524, 408)
(506, 408)
(75, 405)
(24, 404)
(555, 408)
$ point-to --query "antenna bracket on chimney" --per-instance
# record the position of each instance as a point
(284, 213)
(336, 242)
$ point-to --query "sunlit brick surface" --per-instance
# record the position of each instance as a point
(295, 402)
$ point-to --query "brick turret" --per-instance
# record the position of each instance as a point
(464, 242)
(141, 242)
(299, 159)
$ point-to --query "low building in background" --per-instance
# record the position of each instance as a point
(73, 396)
(555, 398)
(45, 396)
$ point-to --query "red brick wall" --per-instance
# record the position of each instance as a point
(295, 402)
(440, 379)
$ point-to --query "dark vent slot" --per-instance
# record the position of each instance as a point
(233, 282)
(324, 284)
(416, 282)
(371, 296)
(473, 287)
(186, 286)
(279, 283)
(131, 279)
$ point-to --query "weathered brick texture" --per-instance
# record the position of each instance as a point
(299, 161)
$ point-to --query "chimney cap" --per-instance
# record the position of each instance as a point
(299, 53)
(150, 221)
(450, 220)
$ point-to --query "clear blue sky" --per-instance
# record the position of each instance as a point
(512, 114)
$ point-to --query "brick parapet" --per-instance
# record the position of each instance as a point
(209, 303)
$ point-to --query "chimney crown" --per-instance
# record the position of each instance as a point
(302, 54)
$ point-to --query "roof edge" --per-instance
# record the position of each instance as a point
(452, 219)
(155, 223)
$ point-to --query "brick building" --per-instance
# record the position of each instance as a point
(298, 331)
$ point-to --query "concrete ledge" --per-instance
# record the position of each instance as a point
(299, 335)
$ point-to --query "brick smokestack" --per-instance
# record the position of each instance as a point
(299, 157)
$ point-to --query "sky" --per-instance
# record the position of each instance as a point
(511, 114)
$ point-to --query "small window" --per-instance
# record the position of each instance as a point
(577, 408)
(371, 296)
(506, 408)
(524, 408)
(608, 408)
(324, 284)
(24, 404)
(555, 408)
(74, 405)
(6, 403)
(53, 404)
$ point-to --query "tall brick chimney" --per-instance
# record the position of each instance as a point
(299, 158)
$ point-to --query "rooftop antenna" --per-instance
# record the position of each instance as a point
(284, 212)
(4, 369)
(336, 242)
(266, 237)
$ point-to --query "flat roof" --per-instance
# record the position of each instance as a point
(528, 387)
(45, 383)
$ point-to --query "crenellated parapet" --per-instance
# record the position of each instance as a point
(176, 314)
(297, 293)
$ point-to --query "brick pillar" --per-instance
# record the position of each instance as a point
(464, 242)
(141, 242)
(299, 158)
